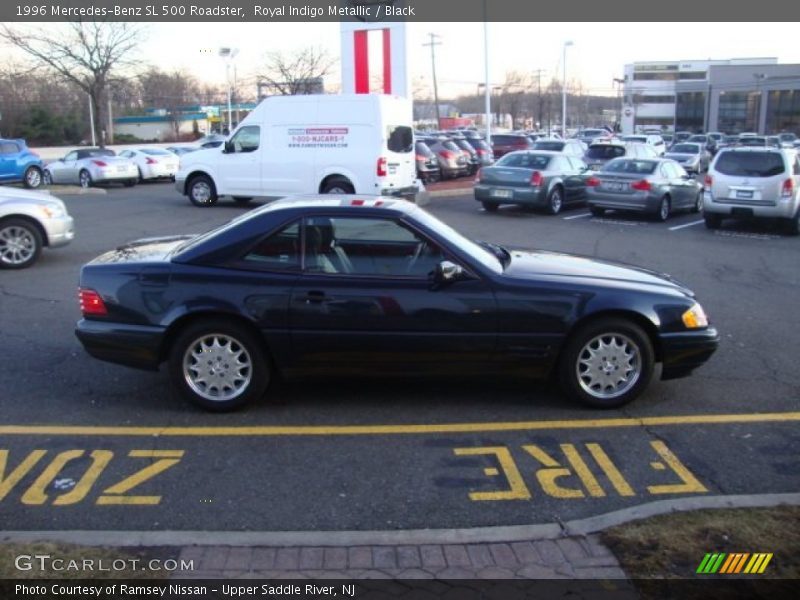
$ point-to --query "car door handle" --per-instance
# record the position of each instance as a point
(315, 297)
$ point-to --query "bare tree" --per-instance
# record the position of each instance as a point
(87, 54)
(171, 91)
(300, 72)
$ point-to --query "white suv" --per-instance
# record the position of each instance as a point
(753, 183)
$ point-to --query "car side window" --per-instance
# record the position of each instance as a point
(280, 251)
(368, 247)
(247, 139)
(71, 156)
(8, 148)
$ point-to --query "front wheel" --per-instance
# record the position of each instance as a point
(47, 178)
(202, 191)
(219, 365)
(33, 177)
(85, 179)
(607, 363)
(20, 244)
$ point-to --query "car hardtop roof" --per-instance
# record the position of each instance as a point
(349, 202)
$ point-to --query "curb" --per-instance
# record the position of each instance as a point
(450, 193)
(477, 535)
(67, 190)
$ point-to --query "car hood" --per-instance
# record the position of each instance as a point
(42, 198)
(155, 249)
(203, 155)
(530, 264)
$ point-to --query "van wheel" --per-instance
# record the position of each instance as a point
(242, 199)
(338, 185)
(219, 365)
(202, 191)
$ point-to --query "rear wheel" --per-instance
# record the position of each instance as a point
(202, 191)
(338, 185)
(219, 365)
(33, 177)
(85, 179)
(490, 206)
(792, 226)
(555, 200)
(662, 214)
(597, 211)
(698, 203)
(20, 244)
(712, 221)
(607, 363)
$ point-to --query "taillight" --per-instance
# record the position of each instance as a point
(381, 168)
(99, 163)
(480, 151)
(91, 303)
(787, 191)
(592, 182)
(707, 181)
(447, 154)
(642, 185)
(150, 161)
(421, 157)
(478, 176)
(536, 179)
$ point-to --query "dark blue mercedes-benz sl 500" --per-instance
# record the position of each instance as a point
(377, 285)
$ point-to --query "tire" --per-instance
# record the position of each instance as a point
(130, 182)
(47, 178)
(663, 212)
(712, 221)
(20, 244)
(698, 203)
(792, 226)
(85, 179)
(597, 211)
(202, 191)
(490, 206)
(32, 178)
(242, 199)
(555, 200)
(220, 342)
(583, 375)
(338, 185)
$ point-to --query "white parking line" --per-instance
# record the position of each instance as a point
(578, 216)
(686, 225)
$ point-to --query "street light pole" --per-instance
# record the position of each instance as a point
(432, 44)
(486, 91)
(91, 122)
(564, 91)
(228, 54)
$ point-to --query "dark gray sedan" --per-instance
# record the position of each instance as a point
(536, 179)
(654, 187)
(693, 157)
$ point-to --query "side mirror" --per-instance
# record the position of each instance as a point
(228, 148)
(447, 272)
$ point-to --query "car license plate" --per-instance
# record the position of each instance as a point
(502, 193)
(121, 169)
(614, 186)
(744, 194)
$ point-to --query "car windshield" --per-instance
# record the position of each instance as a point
(475, 251)
(154, 151)
(525, 160)
(626, 165)
(686, 148)
(553, 145)
(604, 151)
(750, 164)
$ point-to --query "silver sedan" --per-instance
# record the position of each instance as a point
(88, 166)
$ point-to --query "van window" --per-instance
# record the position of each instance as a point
(246, 139)
(400, 138)
(750, 164)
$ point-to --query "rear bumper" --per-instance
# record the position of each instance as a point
(685, 351)
(525, 196)
(638, 202)
(784, 208)
(136, 346)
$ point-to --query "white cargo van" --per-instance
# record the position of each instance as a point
(350, 143)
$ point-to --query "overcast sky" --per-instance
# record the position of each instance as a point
(599, 52)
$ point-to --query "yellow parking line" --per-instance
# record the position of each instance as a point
(398, 429)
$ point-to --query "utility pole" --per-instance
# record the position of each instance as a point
(433, 43)
(538, 73)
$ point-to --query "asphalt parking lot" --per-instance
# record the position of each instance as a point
(92, 445)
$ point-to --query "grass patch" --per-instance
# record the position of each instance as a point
(100, 557)
(672, 546)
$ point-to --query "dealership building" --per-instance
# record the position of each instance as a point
(733, 96)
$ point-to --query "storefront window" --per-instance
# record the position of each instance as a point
(783, 111)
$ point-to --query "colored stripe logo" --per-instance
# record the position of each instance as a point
(734, 563)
